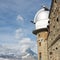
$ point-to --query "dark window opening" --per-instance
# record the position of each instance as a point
(40, 56)
(57, 20)
(48, 21)
(55, 1)
(56, 48)
(39, 43)
(48, 26)
(54, 26)
(39, 35)
(50, 53)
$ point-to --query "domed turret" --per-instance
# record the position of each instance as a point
(41, 22)
(41, 18)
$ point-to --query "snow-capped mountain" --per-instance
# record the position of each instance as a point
(11, 54)
(29, 54)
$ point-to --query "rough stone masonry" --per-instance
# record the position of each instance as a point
(54, 32)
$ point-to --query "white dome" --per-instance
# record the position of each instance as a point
(41, 18)
(42, 15)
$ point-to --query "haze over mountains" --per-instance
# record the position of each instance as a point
(12, 54)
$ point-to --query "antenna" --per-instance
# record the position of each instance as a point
(32, 22)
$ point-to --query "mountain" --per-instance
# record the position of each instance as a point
(12, 54)
(29, 54)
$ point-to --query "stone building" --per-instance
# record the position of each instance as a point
(54, 32)
(48, 32)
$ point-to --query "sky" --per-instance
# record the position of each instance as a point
(15, 26)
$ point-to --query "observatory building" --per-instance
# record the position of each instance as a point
(41, 23)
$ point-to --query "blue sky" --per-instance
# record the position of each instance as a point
(15, 17)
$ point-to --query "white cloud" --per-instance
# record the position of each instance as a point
(19, 33)
(26, 43)
(20, 18)
(23, 45)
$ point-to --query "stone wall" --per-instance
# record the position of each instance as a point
(42, 45)
(54, 32)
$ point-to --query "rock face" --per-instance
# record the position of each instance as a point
(54, 33)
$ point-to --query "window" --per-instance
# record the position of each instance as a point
(39, 43)
(40, 56)
(50, 53)
(56, 48)
(55, 1)
(57, 20)
(54, 26)
(38, 35)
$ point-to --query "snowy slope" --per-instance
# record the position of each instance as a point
(10, 54)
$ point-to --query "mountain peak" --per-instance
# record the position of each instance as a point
(9, 54)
